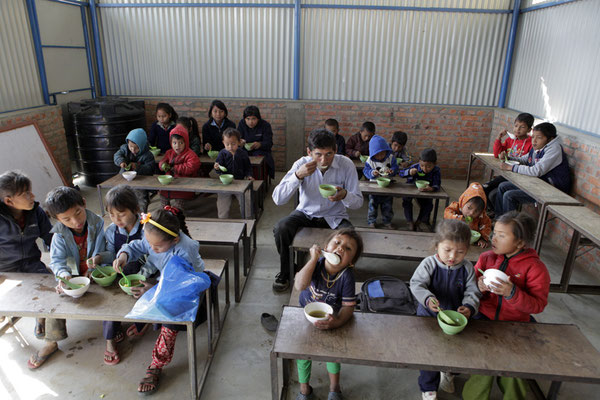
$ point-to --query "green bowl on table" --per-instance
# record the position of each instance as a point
(421, 184)
(104, 280)
(134, 281)
(475, 236)
(399, 161)
(327, 190)
(226, 178)
(383, 182)
(364, 158)
(459, 322)
(248, 146)
(155, 152)
(213, 154)
(165, 179)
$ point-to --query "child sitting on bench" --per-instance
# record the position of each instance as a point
(470, 208)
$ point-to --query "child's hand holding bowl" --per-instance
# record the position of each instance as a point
(501, 288)
(330, 323)
(464, 310)
(482, 286)
(426, 189)
(59, 287)
(138, 291)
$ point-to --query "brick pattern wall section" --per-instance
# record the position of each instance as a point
(583, 152)
(50, 122)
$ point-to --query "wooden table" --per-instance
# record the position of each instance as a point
(257, 162)
(403, 189)
(542, 192)
(378, 243)
(514, 349)
(33, 295)
(584, 222)
(195, 185)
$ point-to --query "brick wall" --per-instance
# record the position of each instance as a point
(583, 152)
(50, 122)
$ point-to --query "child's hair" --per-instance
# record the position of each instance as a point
(190, 124)
(166, 107)
(176, 136)
(232, 132)
(523, 226)
(527, 118)
(62, 199)
(171, 218)
(400, 137)
(13, 183)
(220, 105)
(252, 111)
(121, 198)
(332, 122)
(352, 234)
(429, 155)
(368, 126)
(547, 129)
(478, 203)
(321, 138)
(452, 230)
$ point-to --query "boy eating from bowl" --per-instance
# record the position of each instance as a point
(470, 208)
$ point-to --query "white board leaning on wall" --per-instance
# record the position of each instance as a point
(23, 148)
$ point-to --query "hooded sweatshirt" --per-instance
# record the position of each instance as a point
(532, 284)
(482, 223)
(159, 136)
(512, 147)
(550, 164)
(388, 165)
(184, 164)
(143, 158)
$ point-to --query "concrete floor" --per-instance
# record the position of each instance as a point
(240, 369)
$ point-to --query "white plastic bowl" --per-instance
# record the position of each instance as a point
(317, 306)
(512, 162)
(510, 135)
(129, 175)
(79, 280)
(492, 275)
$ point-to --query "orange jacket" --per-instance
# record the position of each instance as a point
(481, 224)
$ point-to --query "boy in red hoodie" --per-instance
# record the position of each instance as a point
(523, 293)
(470, 208)
(179, 161)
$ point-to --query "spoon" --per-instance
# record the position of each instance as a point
(421, 173)
(222, 168)
(333, 258)
(126, 281)
(70, 284)
(445, 317)
(102, 272)
(480, 270)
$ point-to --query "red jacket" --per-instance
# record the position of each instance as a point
(186, 163)
(513, 147)
(532, 284)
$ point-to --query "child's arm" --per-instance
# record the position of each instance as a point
(58, 257)
(145, 164)
(552, 158)
(499, 147)
(472, 294)
(395, 168)
(534, 297)
(368, 170)
(247, 167)
(436, 179)
(120, 156)
(485, 226)
(152, 135)
(453, 211)
(189, 165)
(303, 278)
(419, 283)
(338, 320)
(220, 161)
(267, 138)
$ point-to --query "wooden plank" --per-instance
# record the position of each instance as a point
(295, 296)
(401, 245)
(215, 232)
(255, 161)
(400, 189)
(186, 184)
(583, 219)
(526, 350)
(250, 223)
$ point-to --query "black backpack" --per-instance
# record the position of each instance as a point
(386, 294)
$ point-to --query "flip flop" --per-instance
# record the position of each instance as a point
(39, 331)
(152, 378)
(39, 360)
(114, 357)
(269, 322)
(132, 330)
(119, 337)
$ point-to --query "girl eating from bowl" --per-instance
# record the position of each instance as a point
(321, 280)
(523, 293)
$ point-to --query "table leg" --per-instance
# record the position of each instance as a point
(569, 262)
(274, 377)
(236, 272)
(286, 364)
(243, 202)
(435, 211)
(553, 391)
(209, 320)
(246, 244)
(291, 277)
(191, 337)
(100, 200)
(540, 228)
(471, 159)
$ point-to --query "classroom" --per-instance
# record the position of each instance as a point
(402, 194)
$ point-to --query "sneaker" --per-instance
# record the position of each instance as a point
(447, 382)
(335, 396)
(281, 283)
(309, 396)
(429, 395)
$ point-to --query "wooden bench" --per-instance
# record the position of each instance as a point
(539, 351)
(378, 243)
(219, 267)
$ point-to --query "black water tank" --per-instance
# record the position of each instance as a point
(101, 126)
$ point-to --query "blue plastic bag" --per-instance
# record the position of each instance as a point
(176, 297)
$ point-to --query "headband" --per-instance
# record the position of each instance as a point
(148, 218)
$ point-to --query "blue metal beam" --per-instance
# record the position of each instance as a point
(408, 8)
(71, 2)
(88, 53)
(53, 46)
(297, 20)
(546, 5)
(205, 5)
(514, 24)
(37, 44)
(97, 48)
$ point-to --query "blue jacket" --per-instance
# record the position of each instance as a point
(434, 176)
(341, 144)
(549, 164)
(214, 134)
(238, 165)
(159, 137)
(262, 133)
(18, 249)
(388, 165)
(64, 256)
(144, 158)
(186, 248)
(116, 237)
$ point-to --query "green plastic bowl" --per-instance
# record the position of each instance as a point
(137, 277)
(383, 182)
(421, 184)
(398, 160)
(165, 179)
(327, 190)
(475, 236)
(155, 152)
(461, 322)
(364, 158)
(226, 178)
(213, 154)
(103, 280)
(248, 146)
